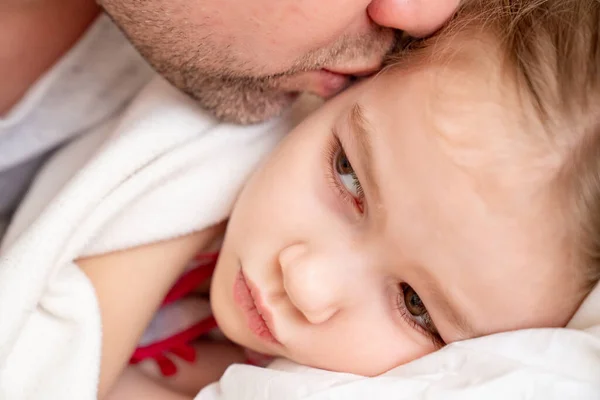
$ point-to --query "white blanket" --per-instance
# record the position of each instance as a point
(164, 169)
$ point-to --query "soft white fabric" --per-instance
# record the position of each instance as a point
(526, 365)
(93, 81)
(165, 169)
(537, 364)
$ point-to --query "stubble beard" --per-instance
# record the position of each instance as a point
(219, 82)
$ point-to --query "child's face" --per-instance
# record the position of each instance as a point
(450, 236)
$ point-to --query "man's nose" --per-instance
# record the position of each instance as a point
(315, 281)
(416, 17)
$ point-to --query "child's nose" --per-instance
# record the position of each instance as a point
(313, 281)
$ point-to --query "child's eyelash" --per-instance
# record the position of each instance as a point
(333, 149)
(436, 339)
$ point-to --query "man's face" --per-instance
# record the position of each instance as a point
(245, 60)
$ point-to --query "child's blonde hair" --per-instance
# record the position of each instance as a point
(551, 50)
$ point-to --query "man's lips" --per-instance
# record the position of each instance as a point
(361, 72)
(258, 316)
(326, 82)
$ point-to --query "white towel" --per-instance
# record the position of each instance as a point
(526, 365)
(165, 169)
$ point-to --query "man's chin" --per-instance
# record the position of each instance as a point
(244, 105)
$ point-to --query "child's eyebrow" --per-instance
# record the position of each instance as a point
(361, 131)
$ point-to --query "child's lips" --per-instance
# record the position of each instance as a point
(258, 316)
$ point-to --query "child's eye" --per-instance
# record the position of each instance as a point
(413, 302)
(414, 311)
(340, 174)
(346, 173)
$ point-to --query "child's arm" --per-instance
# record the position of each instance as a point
(144, 381)
(133, 384)
(130, 286)
(213, 358)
